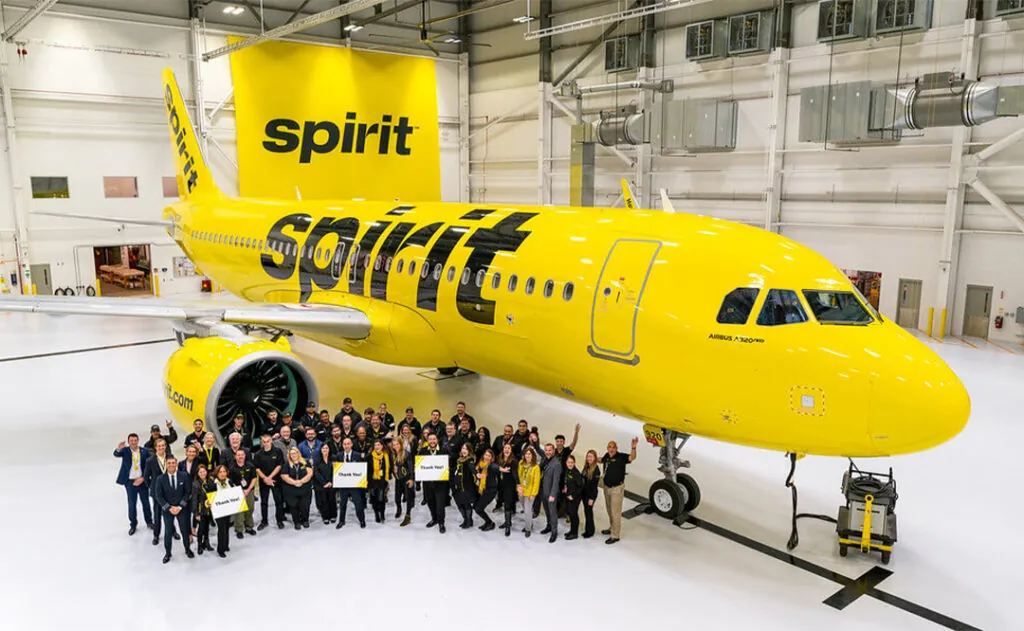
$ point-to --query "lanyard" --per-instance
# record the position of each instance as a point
(162, 463)
(135, 461)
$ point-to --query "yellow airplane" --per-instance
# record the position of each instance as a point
(691, 324)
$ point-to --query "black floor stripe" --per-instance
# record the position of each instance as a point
(83, 350)
(847, 595)
(817, 570)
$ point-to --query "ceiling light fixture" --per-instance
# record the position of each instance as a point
(452, 40)
(523, 19)
(233, 10)
(352, 28)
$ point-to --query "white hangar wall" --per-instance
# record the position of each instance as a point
(88, 104)
(873, 208)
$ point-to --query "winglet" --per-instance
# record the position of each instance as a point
(666, 203)
(627, 195)
(193, 176)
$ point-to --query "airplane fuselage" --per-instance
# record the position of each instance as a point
(613, 308)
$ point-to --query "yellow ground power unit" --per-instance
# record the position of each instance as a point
(868, 520)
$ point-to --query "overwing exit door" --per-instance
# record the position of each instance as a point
(617, 300)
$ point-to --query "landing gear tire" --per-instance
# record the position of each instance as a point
(692, 491)
(667, 498)
(449, 371)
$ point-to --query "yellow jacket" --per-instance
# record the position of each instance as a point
(529, 479)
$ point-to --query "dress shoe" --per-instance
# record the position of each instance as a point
(487, 527)
(570, 537)
(189, 553)
(588, 535)
(167, 558)
(545, 531)
(465, 525)
(527, 534)
(610, 540)
(262, 525)
(327, 521)
(553, 538)
(280, 525)
(340, 524)
(177, 537)
(149, 525)
(442, 529)
(431, 523)
(305, 524)
(508, 531)
(156, 540)
(251, 532)
(297, 527)
(362, 524)
(606, 531)
(131, 531)
(398, 513)
(241, 536)
(222, 555)
(407, 520)
(209, 547)
(201, 549)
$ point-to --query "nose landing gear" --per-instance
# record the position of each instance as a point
(678, 494)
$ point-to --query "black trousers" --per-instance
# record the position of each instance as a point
(588, 514)
(265, 493)
(203, 532)
(481, 506)
(358, 498)
(572, 507)
(326, 503)
(403, 492)
(436, 494)
(186, 532)
(298, 500)
(551, 511)
(224, 533)
(378, 496)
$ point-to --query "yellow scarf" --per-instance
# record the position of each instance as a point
(380, 464)
(483, 477)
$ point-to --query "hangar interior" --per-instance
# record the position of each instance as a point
(887, 135)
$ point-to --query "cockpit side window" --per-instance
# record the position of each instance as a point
(781, 306)
(837, 307)
(737, 305)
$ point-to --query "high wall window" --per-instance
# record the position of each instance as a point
(114, 187)
(50, 187)
(170, 186)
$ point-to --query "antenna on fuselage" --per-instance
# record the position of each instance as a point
(298, 194)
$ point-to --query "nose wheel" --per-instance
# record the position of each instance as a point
(677, 494)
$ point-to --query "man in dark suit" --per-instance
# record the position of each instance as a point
(358, 495)
(173, 492)
(156, 466)
(132, 477)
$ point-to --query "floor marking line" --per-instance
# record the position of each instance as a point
(1000, 346)
(84, 350)
(817, 570)
(867, 581)
(965, 341)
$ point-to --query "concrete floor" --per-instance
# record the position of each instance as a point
(69, 562)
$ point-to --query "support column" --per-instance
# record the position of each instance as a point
(545, 117)
(196, 52)
(21, 249)
(464, 182)
(949, 259)
(776, 138)
(643, 163)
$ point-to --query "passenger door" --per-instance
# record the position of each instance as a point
(620, 289)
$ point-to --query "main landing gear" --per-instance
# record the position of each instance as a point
(678, 494)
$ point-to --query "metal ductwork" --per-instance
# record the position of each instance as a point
(624, 129)
(947, 100)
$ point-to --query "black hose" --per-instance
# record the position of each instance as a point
(794, 538)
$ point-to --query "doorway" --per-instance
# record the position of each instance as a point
(617, 301)
(977, 309)
(123, 270)
(908, 307)
(869, 284)
(41, 279)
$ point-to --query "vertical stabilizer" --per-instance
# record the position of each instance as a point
(193, 176)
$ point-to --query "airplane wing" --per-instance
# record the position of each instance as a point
(341, 321)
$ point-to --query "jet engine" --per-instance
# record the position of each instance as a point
(216, 378)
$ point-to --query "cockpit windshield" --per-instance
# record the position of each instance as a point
(837, 307)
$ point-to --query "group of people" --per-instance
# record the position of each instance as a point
(514, 473)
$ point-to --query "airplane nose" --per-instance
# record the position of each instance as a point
(917, 401)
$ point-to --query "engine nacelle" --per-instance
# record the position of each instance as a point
(214, 378)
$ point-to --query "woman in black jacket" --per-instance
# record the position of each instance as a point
(200, 512)
(405, 483)
(572, 489)
(486, 486)
(378, 474)
(508, 481)
(591, 479)
(220, 482)
(297, 476)
(323, 485)
(483, 442)
(464, 488)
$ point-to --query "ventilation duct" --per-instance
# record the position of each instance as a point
(622, 127)
(945, 100)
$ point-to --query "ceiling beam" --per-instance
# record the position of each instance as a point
(299, 25)
(27, 18)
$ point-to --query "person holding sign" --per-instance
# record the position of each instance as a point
(529, 485)
(380, 475)
(200, 512)
(219, 483)
(132, 478)
(464, 487)
(486, 486)
(348, 454)
(435, 492)
(298, 492)
(323, 487)
(405, 484)
(508, 484)
(173, 493)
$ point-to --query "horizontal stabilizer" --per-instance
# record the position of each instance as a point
(163, 223)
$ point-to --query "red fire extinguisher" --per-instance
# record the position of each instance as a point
(999, 321)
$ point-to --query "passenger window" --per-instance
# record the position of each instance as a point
(401, 265)
(496, 280)
(465, 276)
(567, 292)
(437, 271)
(376, 263)
(513, 282)
(530, 283)
(412, 268)
(480, 277)
(549, 288)
(737, 305)
(837, 307)
(387, 265)
(781, 306)
(451, 273)
(425, 270)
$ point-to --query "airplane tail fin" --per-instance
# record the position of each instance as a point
(193, 175)
(627, 195)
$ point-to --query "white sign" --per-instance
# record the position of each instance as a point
(229, 501)
(431, 468)
(349, 475)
